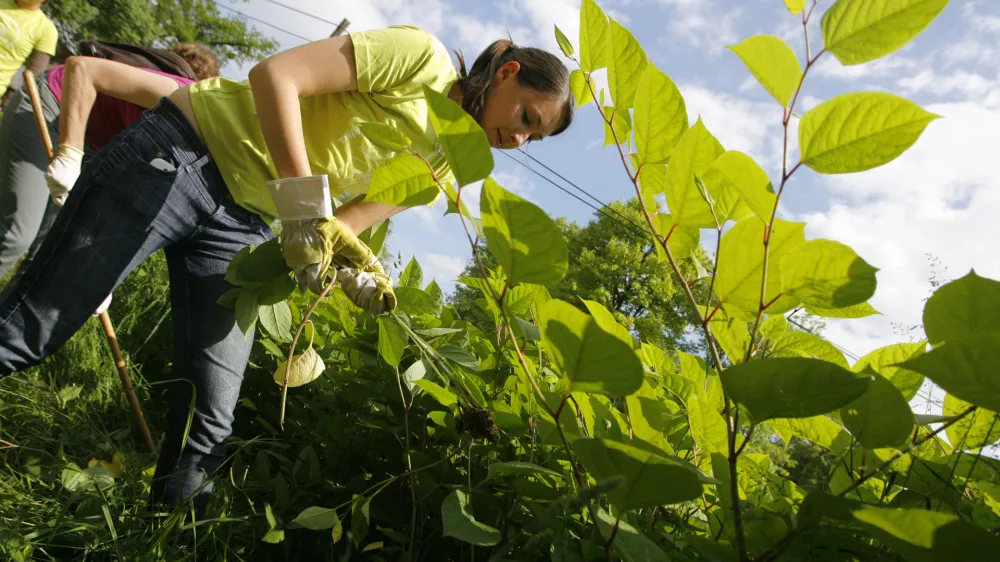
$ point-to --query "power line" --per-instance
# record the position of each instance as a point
(304, 13)
(249, 17)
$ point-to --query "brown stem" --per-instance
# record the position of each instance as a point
(295, 340)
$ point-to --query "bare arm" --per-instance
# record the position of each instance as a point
(278, 82)
(88, 76)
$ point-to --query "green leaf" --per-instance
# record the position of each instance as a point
(683, 240)
(625, 66)
(974, 431)
(885, 361)
(384, 136)
(254, 267)
(459, 523)
(732, 335)
(827, 274)
(857, 311)
(247, 311)
(820, 430)
(526, 242)
(276, 290)
(657, 359)
(860, 31)
(594, 37)
(804, 344)
(966, 368)
(708, 428)
(359, 518)
(377, 239)
(69, 393)
(965, 307)
(792, 387)
(273, 536)
(927, 536)
(276, 319)
(591, 358)
(564, 45)
(462, 139)
(412, 276)
(738, 172)
(317, 518)
(773, 64)
(606, 321)
(444, 396)
(391, 340)
(578, 84)
(880, 418)
(621, 122)
(517, 468)
(459, 355)
(741, 264)
(660, 116)
(860, 131)
(630, 543)
(404, 180)
(415, 372)
(693, 155)
(414, 301)
(795, 6)
(644, 473)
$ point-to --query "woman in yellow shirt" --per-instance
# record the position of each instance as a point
(27, 38)
(202, 175)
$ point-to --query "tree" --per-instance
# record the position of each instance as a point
(162, 23)
(614, 264)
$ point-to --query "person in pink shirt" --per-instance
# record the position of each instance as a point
(90, 100)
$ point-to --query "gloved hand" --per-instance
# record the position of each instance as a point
(312, 240)
(63, 172)
(369, 288)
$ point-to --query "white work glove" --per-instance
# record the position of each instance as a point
(103, 307)
(312, 240)
(371, 290)
(63, 172)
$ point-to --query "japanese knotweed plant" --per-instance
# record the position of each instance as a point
(651, 452)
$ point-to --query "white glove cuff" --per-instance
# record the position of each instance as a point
(301, 198)
(70, 155)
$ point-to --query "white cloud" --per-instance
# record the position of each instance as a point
(940, 198)
(703, 23)
(887, 67)
(739, 124)
(442, 268)
(960, 84)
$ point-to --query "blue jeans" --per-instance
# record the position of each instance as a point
(122, 209)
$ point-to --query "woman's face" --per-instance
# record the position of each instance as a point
(513, 115)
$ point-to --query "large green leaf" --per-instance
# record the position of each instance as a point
(885, 361)
(965, 307)
(693, 155)
(458, 522)
(820, 430)
(620, 128)
(462, 139)
(660, 116)
(792, 387)
(827, 274)
(644, 474)
(606, 321)
(625, 66)
(974, 431)
(317, 518)
(591, 358)
(803, 344)
(741, 264)
(739, 173)
(859, 131)
(412, 276)
(391, 340)
(880, 417)
(594, 37)
(630, 543)
(859, 31)
(578, 84)
(255, 267)
(518, 468)
(650, 416)
(928, 536)
(276, 319)
(414, 301)
(969, 369)
(682, 241)
(857, 311)
(773, 64)
(708, 428)
(526, 242)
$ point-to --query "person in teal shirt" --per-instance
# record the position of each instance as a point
(204, 173)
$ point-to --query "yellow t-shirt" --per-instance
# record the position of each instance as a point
(393, 66)
(22, 31)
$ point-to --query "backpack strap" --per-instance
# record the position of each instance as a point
(141, 57)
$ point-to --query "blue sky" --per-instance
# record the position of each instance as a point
(939, 199)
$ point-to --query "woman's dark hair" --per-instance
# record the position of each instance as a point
(540, 70)
(203, 60)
